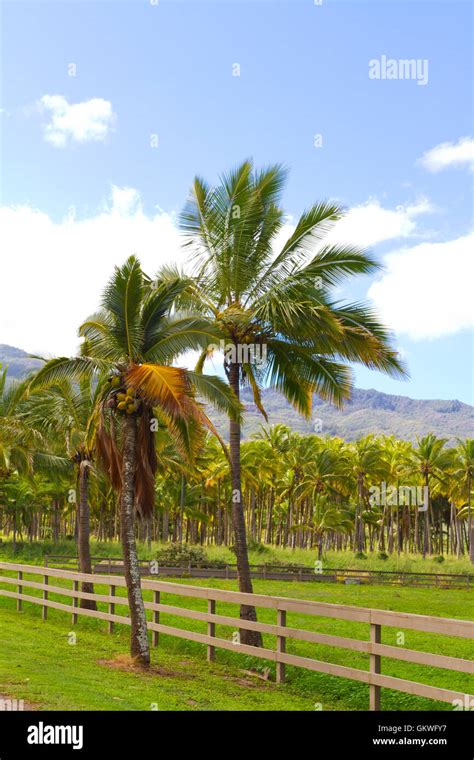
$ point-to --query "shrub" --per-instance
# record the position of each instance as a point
(438, 559)
(382, 555)
(360, 555)
(255, 546)
(182, 555)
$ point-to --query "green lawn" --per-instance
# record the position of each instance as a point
(34, 552)
(39, 665)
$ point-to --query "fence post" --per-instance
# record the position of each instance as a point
(375, 666)
(75, 601)
(281, 646)
(45, 597)
(20, 591)
(156, 619)
(211, 630)
(111, 610)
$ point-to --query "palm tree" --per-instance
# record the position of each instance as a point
(128, 348)
(464, 473)
(364, 462)
(20, 441)
(24, 449)
(321, 484)
(64, 411)
(277, 305)
(277, 438)
(430, 460)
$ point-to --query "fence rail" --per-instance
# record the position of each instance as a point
(270, 572)
(373, 647)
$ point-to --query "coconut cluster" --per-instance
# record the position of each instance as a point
(123, 398)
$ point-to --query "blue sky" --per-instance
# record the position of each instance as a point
(81, 186)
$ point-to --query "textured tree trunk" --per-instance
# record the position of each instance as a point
(470, 524)
(220, 520)
(139, 646)
(359, 523)
(14, 530)
(83, 536)
(166, 521)
(269, 531)
(253, 515)
(427, 530)
(181, 509)
(55, 519)
(253, 638)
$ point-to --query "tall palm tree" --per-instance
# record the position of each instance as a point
(20, 441)
(464, 473)
(128, 349)
(24, 449)
(430, 459)
(64, 411)
(394, 454)
(277, 305)
(321, 483)
(278, 440)
(364, 461)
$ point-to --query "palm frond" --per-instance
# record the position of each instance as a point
(122, 298)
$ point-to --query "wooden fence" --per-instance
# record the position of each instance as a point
(282, 605)
(267, 571)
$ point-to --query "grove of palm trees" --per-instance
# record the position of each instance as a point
(298, 492)
(117, 443)
(236, 377)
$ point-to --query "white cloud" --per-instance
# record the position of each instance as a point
(426, 291)
(56, 271)
(370, 223)
(89, 121)
(449, 154)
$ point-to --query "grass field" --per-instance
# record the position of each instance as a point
(34, 552)
(40, 665)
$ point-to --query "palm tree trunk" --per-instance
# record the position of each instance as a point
(182, 496)
(14, 529)
(83, 536)
(427, 531)
(253, 515)
(268, 538)
(470, 524)
(253, 638)
(359, 525)
(139, 646)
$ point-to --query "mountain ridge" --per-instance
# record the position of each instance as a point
(367, 411)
